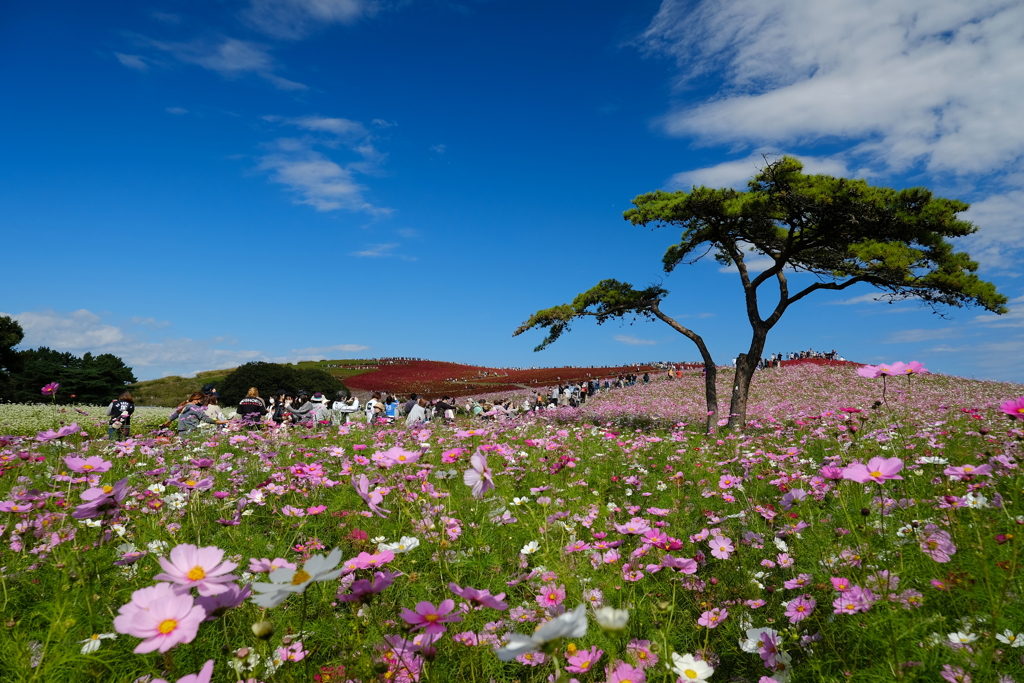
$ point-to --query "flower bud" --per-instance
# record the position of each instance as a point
(263, 629)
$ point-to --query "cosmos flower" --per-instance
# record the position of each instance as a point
(478, 476)
(284, 581)
(690, 669)
(162, 615)
(430, 618)
(568, 625)
(200, 568)
(877, 470)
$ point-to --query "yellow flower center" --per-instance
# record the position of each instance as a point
(108, 489)
(197, 573)
(95, 636)
(691, 674)
(401, 457)
(191, 482)
(642, 655)
(166, 626)
(300, 577)
(876, 473)
(87, 467)
(432, 618)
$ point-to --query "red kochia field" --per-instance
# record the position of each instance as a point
(436, 378)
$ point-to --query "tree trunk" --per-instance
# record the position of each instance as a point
(710, 371)
(746, 364)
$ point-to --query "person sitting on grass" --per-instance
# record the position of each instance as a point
(191, 414)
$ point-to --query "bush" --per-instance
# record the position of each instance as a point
(271, 377)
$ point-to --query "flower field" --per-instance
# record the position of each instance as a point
(842, 537)
(435, 378)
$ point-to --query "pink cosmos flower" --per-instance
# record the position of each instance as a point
(362, 486)
(552, 596)
(483, 598)
(966, 471)
(683, 564)
(624, 673)
(635, 526)
(50, 435)
(431, 619)
(51, 388)
(1014, 408)
(800, 608)
(840, 584)
(91, 465)
(204, 675)
(216, 605)
(478, 476)
(937, 543)
(869, 371)
(161, 615)
(199, 567)
(727, 481)
(877, 470)
(264, 565)
(640, 650)
(721, 547)
(583, 660)
(396, 455)
(712, 618)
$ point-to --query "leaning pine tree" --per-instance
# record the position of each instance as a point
(842, 231)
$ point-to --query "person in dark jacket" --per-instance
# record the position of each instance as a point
(252, 409)
(120, 411)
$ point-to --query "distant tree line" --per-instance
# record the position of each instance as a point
(86, 379)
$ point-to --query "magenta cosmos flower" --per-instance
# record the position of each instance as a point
(199, 567)
(51, 389)
(431, 619)
(482, 598)
(478, 476)
(877, 470)
(1014, 408)
(162, 615)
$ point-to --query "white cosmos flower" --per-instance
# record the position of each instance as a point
(690, 669)
(1010, 639)
(568, 625)
(404, 545)
(284, 582)
(962, 638)
(93, 642)
(530, 548)
(611, 619)
(520, 501)
(157, 547)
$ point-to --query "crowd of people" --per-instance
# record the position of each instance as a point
(776, 359)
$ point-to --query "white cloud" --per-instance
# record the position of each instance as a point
(871, 297)
(84, 331)
(735, 174)
(230, 58)
(294, 19)
(633, 341)
(132, 61)
(377, 251)
(177, 111)
(315, 178)
(999, 235)
(1015, 317)
(439, 148)
(892, 86)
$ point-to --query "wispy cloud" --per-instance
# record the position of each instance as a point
(132, 61)
(871, 297)
(315, 178)
(1015, 318)
(633, 341)
(439, 148)
(382, 251)
(177, 111)
(230, 58)
(293, 19)
(325, 352)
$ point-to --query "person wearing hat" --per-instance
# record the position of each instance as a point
(321, 412)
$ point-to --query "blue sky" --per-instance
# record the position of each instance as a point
(193, 185)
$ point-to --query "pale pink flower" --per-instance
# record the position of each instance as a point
(204, 675)
(877, 470)
(478, 476)
(721, 547)
(197, 567)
